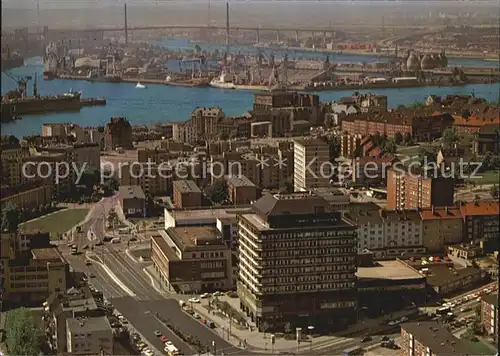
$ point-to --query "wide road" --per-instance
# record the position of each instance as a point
(143, 319)
(169, 309)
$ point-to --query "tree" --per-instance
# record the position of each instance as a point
(197, 48)
(112, 217)
(217, 192)
(390, 147)
(10, 218)
(494, 191)
(407, 138)
(23, 336)
(450, 137)
(398, 138)
(417, 105)
(426, 155)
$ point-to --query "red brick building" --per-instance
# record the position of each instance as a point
(481, 222)
(186, 194)
(422, 127)
(118, 133)
(407, 190)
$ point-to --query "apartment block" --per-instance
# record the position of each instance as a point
(183, 132)
(118, 134)
(386, 232)
(156, 155)
(311, 162)
(204, 122)
(241, 190)
(12, 156)
(87, 336)
(297, 263)
(154, 179)
(192, 259)
(442, 226)
(75, 304)
(489, 314)
(431, 338)
(30, 280)
(186, 194)
(481, 223)
(407, 190)
(27, 197)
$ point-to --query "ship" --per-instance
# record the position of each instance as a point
(11, 61)
(41, 104)
(223, 83)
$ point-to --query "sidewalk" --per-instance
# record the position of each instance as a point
(257, 340)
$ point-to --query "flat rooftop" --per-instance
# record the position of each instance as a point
(240, 181)
(131, 192)
(50, 253)
(439, 340)
(203, 214)
(87, 325)
(193, 236)
(165, 247)
(186, 186)
(394, 270)
(440, 275)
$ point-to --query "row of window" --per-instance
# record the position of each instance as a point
(307, 288)
(28, 285)
(211, 265)
(315, 269)
(308, 278)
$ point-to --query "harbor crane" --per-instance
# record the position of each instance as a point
(22, 86)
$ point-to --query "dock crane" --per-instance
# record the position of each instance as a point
(22, 86)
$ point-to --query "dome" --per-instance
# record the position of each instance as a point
(413, 63)
(427, 62)
(87, 62)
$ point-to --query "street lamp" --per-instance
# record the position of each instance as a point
(310, 328)
(215, 348)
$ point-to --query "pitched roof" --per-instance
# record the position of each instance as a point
(440, 213)
(480, 208)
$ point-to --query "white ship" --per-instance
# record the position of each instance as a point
(222, 82)
(140, 86)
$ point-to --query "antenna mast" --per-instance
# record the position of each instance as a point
(227, 27)
(126, 23)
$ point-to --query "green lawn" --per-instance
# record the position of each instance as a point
(480, 348)
(58, 222)
(488, 177)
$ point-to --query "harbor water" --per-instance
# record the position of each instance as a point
(161, 103)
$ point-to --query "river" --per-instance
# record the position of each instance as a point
(160, 103)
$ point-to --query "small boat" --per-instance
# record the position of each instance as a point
(140, 86)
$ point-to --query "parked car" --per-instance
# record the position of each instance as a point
(366, 339)
(158, 333)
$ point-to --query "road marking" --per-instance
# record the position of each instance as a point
(113, 277)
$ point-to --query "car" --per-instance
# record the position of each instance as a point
(169, 343)
(132, 239)
(218, 294)
(141, 346)
(91, 275)
(99, 243)
(88, 263)
(197, 316)
(158, 333)
(149, 353)
(124, 321)
(366, 339)
(163, 339)
(193, 300)
(205, 295)
(478, 299)
(403, 319)
(392, 323)
(384, 338)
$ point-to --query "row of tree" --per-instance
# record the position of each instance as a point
(23, 336)
(12, 215)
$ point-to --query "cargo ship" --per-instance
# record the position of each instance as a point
(41, 104)
(223, 83)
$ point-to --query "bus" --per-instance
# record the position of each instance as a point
(74, 249)
(171, 350)
(443, 310)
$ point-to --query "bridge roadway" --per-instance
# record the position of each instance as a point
(237, 28)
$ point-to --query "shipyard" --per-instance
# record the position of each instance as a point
(250, 178)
